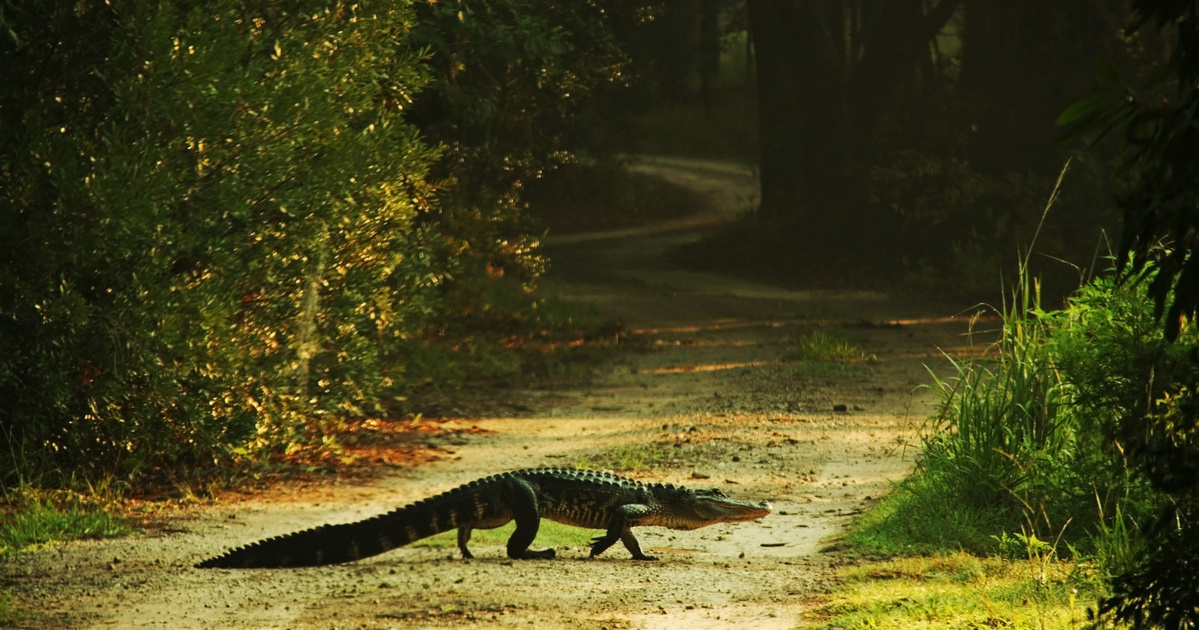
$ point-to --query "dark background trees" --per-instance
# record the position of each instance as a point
(191, 160)
(826, 72)
(916, 97)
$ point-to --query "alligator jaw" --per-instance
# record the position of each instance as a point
(727, 510)
(710, 507)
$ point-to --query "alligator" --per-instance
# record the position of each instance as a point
(582, 498)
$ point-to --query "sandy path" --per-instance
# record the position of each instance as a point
(709, 395)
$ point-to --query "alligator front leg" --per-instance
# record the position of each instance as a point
(620, 527)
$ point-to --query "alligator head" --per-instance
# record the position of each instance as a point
(692, 509)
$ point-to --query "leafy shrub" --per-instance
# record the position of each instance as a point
(208, 228)
(1029, 439)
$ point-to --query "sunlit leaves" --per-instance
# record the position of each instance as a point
(211, 209)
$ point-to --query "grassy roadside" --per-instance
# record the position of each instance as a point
(958, 590)
(29, 519)
(906, 569)
(32, 518)
(1020, 513)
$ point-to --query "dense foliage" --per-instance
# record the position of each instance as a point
(1158, 253)
(509, 99)
(226, 226)
(208, 225)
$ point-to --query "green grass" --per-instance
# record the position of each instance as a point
(958, 590)
(549, 534)
(823, 347)
(921, 517)
(9, 614)
(633, 458)
(35, 521)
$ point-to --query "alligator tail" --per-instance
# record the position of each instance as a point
(334, 544)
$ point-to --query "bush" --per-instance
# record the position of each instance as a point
(1029, 441)
(207, 228)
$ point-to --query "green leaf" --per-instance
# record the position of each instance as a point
(1080, 109)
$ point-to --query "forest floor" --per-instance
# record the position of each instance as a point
(706, 399)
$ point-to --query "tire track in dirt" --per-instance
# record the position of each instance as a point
(708, 396)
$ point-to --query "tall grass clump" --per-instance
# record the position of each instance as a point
(1027, 442)
(31, 516)
(994, 452)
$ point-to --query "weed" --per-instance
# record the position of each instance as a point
(1117, 548)
(633, 458)
(824, 347)
(9, 615)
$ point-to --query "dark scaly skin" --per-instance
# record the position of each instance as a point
(583, 498)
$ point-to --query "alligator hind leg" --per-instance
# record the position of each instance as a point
(463, 539)
(528, 520)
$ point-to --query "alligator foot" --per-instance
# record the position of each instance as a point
(600, 544)
(544, 554)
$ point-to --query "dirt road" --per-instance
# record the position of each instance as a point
(709, 402)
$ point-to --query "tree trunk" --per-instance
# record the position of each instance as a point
(1023, 62)
(826, 70)
(709, 50)
(896, 34)
(803, 120)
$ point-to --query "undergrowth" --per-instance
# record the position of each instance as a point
(33, 518)
(1024, 465)
(1020, 444)
(605, 194)
(726, 131)
(958, 590)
